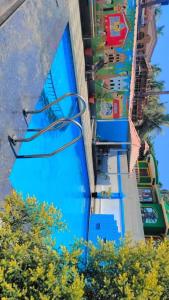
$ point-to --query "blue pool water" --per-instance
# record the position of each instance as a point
(61, 179)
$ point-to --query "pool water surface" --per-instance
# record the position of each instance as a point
(61, 179)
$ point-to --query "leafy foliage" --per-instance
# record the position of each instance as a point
(30, 267)
(158, 12)
(154, 111)
(156, 70)
(160, 30)
(154, 116)
(139, 271)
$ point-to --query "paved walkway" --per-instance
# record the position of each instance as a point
(132, 212)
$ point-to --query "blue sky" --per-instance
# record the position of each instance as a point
(161, 57)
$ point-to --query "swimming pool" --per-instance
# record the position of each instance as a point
(61, 179)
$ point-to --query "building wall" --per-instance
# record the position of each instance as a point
(113, 131)
(153, 218)
(113, 49)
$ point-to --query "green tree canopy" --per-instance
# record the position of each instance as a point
(154, 111)
(30, 266)
(134, 271)
(154, 116)
(160, 30)
(158, 12)
(156, 69)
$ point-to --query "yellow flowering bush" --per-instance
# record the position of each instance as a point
(132, 271)
(30, 267)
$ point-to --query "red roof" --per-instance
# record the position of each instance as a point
(135, 146)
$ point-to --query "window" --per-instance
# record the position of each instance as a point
(108, 8)
(112, 85)
(145, 195)
(149, 215)
(111, 58)
(140, 46)
(117, 57)
(140, 35)
(143, 172)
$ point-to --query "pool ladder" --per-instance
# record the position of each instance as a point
(50, 90)
(61, 122)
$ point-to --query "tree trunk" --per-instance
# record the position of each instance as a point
(158, 93)
(153, 93)
(155, 2)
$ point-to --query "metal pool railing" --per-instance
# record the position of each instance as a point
(14, 140)
(8, 8)
(49, 95)
(54, 125)
(82, 110)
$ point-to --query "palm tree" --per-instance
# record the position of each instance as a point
(166, 120)
(157, 12)
(156, 69)
(155, 2)
(160, 30)
(154, 116)
(156, 87)
(155, 93)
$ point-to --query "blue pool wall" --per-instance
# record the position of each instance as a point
(61, 179)
(113, 131)
(28, 40)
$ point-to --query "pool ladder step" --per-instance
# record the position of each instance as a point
(56, 101)
(54, 125)
(50, 90)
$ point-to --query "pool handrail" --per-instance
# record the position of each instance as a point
(11, 8)
(81, 112)
(14, 140)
